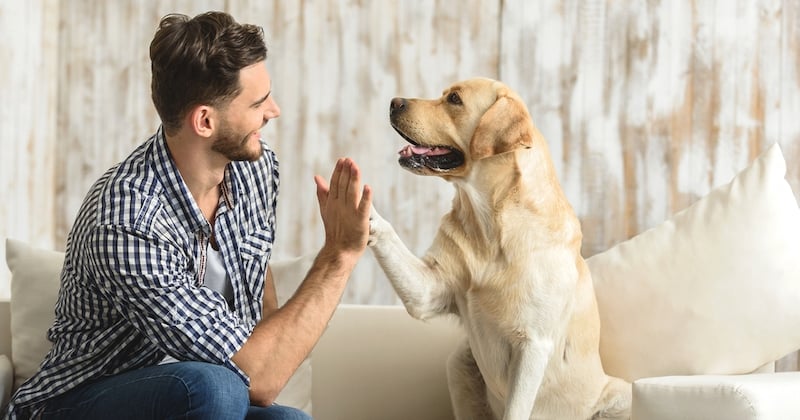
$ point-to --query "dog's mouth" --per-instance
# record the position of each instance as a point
(436, 158)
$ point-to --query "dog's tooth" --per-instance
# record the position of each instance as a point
(405, 151)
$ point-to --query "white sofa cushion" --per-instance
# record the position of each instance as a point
(771, 396)
(34, 288)
(713, 290)
(287, 274)
(393, 365)
(35, 275)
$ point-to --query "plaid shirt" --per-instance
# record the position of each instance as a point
(132, 283)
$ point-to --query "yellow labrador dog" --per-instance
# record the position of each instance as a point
(506, 260)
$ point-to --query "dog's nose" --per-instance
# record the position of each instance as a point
(397, 105)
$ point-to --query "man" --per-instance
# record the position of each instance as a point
(167, 307)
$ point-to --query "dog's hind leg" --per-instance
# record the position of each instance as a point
(615, 401)
(467, 388)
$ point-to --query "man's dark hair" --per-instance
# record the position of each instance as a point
(197, 61)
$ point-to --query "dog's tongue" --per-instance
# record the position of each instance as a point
(421, 150)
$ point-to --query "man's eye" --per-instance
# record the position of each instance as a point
(454, 99)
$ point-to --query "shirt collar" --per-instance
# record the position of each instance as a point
(228, 187)
(178, 194)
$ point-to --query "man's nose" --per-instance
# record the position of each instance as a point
(272, 110)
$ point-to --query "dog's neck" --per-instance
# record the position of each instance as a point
(502, 183)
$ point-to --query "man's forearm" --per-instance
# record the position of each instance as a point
(283, 339)
(270, 299)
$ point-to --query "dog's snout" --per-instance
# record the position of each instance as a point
(397, 105)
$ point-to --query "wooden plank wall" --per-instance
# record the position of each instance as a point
(28, 72)
(646, 104)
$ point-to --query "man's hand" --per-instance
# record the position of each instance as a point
(285, 337)
(345, 208)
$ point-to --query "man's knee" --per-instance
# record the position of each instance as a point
(178, 390)
(210, 391)
(276, 412)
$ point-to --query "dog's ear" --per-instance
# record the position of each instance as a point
(504, 127)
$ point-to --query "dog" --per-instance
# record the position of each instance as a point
(506, 261)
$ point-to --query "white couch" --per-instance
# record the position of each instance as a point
(376, 362)
(690, 309)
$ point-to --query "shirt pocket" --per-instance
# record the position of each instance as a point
(256, 246)
(255, 250)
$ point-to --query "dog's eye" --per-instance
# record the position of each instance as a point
(454, 99)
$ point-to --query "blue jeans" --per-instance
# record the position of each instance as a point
(182, 390)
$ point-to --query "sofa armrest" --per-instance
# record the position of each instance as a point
(765, 396)
(6, 379)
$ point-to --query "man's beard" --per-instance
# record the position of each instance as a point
(234, 146)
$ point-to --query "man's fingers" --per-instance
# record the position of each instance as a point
(365, 206)
(345, 178)
(336, 178)
(345, 189)
(354, 186)
(322, 190)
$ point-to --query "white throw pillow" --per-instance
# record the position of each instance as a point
(713, 290)
(35, 278)
(34, 288)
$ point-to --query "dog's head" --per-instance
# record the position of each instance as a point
(473, 119)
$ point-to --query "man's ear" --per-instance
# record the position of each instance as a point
(504, 127)
(202, 120)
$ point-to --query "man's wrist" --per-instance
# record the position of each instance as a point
(337, 258)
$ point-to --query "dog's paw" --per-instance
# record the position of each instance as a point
(377, 227)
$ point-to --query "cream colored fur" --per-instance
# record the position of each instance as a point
(506, 260)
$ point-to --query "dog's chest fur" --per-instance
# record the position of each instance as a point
(509, 273)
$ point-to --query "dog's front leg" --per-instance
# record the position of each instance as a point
(529, 359)
(423, 293)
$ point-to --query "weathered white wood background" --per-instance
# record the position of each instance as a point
(646, 104)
